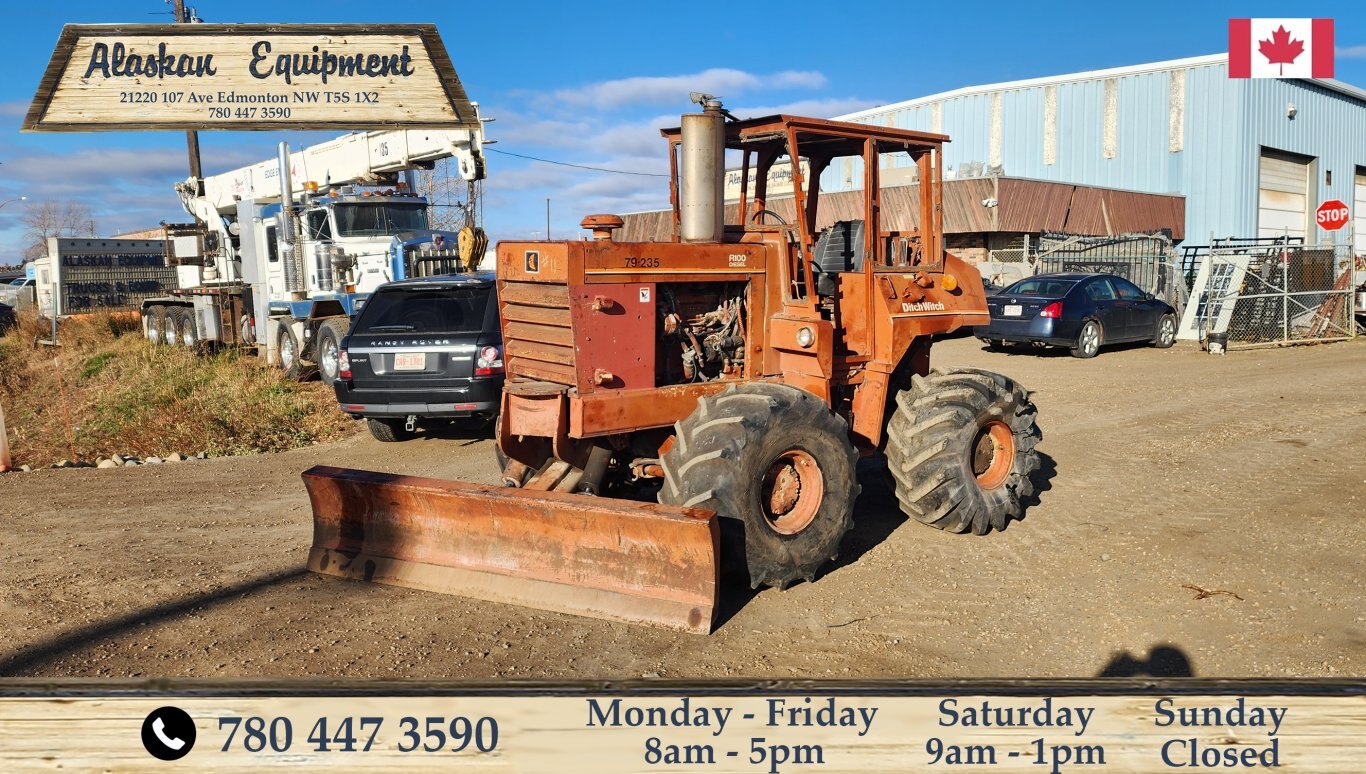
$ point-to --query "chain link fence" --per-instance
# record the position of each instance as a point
(1256, 295)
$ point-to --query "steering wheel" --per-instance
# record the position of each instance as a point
(781, 220)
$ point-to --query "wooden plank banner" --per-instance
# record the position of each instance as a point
(117, 77)
(1011, 727)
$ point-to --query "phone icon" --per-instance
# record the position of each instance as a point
(159, 728)
(168, 733)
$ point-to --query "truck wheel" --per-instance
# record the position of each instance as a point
(329, 348)
(388, 430)
(247, 331)
(960, 448)
(151, 323)
(183, 324)
(776, 462)
(166, 324)
(290, 360)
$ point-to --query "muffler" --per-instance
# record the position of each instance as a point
(620, 560)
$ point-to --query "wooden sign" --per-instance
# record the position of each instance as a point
(51, 725)
(248, 76)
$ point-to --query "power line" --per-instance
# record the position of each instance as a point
(576, 166)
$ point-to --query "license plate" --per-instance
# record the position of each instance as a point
(1012, 310)
(410, 361)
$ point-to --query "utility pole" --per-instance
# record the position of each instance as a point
(191, 137)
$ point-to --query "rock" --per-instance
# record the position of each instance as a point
(175, 457)
(107, 464)
(201, 456)
(131, 463)
(26, 468)
(153, 461)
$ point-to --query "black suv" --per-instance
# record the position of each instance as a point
(423, 349)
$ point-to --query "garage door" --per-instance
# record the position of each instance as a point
(1359, 210)
(1283, 194)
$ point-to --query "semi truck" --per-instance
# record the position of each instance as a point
(282, 252)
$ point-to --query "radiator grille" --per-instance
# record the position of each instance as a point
(538, 337)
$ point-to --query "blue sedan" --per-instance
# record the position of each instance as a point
(1082, 312)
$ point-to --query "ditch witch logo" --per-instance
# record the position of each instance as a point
(120, 61)
(922, 306)
(1285, 48)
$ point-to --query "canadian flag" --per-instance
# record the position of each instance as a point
(1280, 48)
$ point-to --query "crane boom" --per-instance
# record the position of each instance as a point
(360, 157)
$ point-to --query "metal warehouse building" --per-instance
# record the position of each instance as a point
(1253, 157)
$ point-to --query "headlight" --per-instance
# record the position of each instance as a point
(806, 337)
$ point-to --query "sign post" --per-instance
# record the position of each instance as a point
(5, 461)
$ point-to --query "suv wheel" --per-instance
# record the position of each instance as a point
(388, 430)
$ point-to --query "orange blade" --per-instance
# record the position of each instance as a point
(594, 556)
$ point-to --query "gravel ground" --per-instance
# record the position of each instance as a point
(1164, 469)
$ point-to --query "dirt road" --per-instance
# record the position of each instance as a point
(1244, 474)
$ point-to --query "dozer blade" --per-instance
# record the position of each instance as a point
(613, 559)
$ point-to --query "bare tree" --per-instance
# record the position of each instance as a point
(450, 197)
(54, 219)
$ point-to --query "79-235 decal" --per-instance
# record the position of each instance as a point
(632, 262)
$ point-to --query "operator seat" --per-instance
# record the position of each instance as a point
(838, 248)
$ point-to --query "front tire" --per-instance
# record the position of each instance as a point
(1088, 341)
(291, 361)
(960, 448)
(1166, 332)
(389, 430)
(776, 462)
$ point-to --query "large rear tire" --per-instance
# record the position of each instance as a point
(776, 461)
(151, 323)
(960, 448)
(166, 325)
(186, 334)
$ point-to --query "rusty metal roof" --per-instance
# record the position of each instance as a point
(1023, 206)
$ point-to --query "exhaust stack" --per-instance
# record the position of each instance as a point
(704, 156)
(289, 230)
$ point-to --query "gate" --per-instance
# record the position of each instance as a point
(1147, 260)
(1270, 295)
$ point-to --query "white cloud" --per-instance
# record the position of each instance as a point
(642, 90)
(813, 108)
(524, 129)
(640, 139)
(1351, 52)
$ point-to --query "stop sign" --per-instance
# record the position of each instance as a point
(1332, 215)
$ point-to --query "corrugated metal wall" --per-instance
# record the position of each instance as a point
(1189, 129)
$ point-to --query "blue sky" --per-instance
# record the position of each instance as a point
(591, 82)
